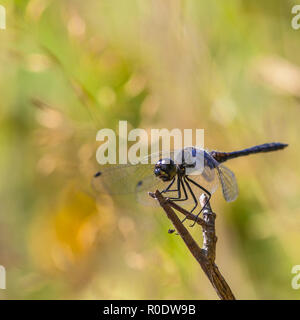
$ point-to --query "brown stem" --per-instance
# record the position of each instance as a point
(206, 255)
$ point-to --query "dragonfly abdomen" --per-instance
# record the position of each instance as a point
(266, 147)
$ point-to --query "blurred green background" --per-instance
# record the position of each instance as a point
(70, 68)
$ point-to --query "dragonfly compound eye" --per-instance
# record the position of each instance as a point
(165, 169)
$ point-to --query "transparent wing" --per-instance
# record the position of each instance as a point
(207, 181)
(123, 179)
(140, 179)
(129, 178)
(145, 186)
(228, 183)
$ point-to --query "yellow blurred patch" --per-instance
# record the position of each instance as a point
(68, 235)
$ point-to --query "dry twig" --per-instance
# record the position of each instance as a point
(205, 255)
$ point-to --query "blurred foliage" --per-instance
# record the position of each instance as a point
(69, 68)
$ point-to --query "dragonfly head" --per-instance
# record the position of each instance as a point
(165, 169)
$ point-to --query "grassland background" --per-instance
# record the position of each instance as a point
(69, 68)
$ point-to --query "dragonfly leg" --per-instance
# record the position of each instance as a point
(206, 191)
(193, 195)
(184, 191)
(178, 190)
(169, 186)
(179, 185)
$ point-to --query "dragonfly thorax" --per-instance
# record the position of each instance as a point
(165, 169)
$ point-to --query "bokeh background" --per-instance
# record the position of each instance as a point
(69, 68)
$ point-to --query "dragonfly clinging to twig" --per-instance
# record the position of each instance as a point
(179, 180)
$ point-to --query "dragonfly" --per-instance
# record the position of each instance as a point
(178, 176)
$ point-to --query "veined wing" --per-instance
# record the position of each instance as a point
(228, 183)
(146, 185)
(123, 179)
(128, 178)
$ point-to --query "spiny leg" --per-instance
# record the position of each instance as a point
(169, 186)
(178, 191)
(184, 190)
(185, 198)
(193, 195)
(179, 185)
(206, 191)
